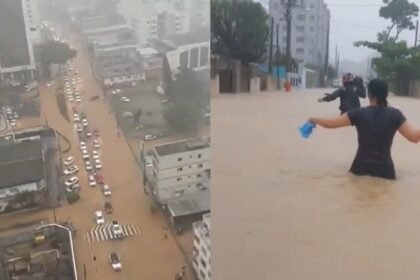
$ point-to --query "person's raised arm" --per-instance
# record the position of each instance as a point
(336, 122)
(331, 96)
(409, 133)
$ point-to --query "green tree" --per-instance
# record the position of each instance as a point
(53, 52)
(280, 59)
(239, 30)
(398, 63)
(188, 98)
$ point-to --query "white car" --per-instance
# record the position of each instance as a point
(92, 181)
(86, 155)
(149, 162)
(73, 188)
(13, 123)
(115, 262)
(106, 190)
(78, 99)
(88, 133)
(98, 164)
(125, 99)
(116, 91)
(71, 99)
(88, 165)
(95, 155)
(85, 122)
(71, 170)
(82, 145)
(71, 181)
(79, 128)
(149, 137)
(76, 117)
(99, 217)
(117, 230)
(68, 160)
(50, 84)
(96, 144)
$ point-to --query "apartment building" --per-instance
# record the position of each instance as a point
(310, 21)
(179, 169)
(19, 30)
(201, 251)
(153, 19)
(31, 11)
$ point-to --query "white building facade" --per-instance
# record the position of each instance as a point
(310, 24)
(180, 168)
(26, 24)
(202, 248)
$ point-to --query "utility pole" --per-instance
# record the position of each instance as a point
(417, 31)
(325, 74)
(270, 54)
(278, 54)
(288, 16)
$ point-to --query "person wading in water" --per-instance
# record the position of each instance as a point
(349, 94)
(376, 126)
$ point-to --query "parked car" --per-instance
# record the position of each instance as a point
(82, 145)
(116, 91)
(76, 117)
(149, 137)
(88, 133)
(96, 144)
(98, 164)
(71, 181)
(125, 99)
(68, 160)
(73, 188)
(79, 128)
(115, 261)
(95, 154)
(106, 190)
(99, 218)
(71, 170)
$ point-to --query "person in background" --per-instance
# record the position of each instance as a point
(349, 94)
(376, 126)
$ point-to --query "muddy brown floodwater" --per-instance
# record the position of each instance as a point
(286, 208)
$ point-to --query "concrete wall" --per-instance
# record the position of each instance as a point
(182, 159)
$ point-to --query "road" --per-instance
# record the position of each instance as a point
(146, 254)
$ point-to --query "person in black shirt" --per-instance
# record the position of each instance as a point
(349, 93)
(376, 126)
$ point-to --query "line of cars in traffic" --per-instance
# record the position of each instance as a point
(90, 146)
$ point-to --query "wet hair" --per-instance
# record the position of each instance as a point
(378, 89)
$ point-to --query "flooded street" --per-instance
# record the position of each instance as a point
(287, 208)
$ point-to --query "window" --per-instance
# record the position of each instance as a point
(200, 165)
(300, 51)
(179, 169)
(202, 274)
(300, 39)
(199, 155)
(203, 249)
(300, 28)
(179, 179)
(203, 263)
(199, 175)
(301, 17)
(179, 159)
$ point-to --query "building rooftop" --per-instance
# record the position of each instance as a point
(13, 42)
(190, 204)
(198, 36)
(181, 147)
(92, 23)
(115, 69)
(21, 172)
(21, 163)
(20, 151)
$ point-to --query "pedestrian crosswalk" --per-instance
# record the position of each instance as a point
(104, 232)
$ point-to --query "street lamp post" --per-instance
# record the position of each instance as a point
(71, 244)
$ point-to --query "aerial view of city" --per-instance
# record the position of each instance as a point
(104, 139)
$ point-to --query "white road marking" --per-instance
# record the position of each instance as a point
(104, 232)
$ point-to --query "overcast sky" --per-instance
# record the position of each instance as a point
(353, 20)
